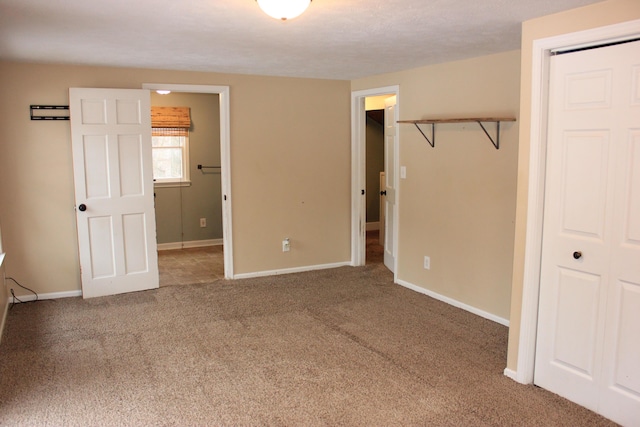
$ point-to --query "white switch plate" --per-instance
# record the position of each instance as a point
(403, 172)
(286, 245)
(427, 263)
(203, 222)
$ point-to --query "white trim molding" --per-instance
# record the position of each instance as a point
(455, 303)
(537, 159)
(291, 270)
(190, 244)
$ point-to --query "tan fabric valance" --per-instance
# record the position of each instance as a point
(170, 117)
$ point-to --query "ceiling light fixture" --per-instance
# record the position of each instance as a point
(163, 92)
(283, 9)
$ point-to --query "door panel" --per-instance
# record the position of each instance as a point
(576, 315)
(627, 374)
(111, 143)
(130, 158)
(584, 196)
(631, 193)
(390, 207)
(96, 167)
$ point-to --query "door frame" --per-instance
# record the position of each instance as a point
(359, 169)
(225, 159)
(541, 55)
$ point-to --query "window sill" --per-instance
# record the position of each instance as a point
(172, 184)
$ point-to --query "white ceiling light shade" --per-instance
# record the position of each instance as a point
(163, 92)
(283, 9)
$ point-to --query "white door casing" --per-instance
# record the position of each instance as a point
(111, 145)
(588, 343)
(390, 166)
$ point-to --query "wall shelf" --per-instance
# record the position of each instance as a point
(480, 120)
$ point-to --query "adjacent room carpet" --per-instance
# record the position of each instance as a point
(334, 347)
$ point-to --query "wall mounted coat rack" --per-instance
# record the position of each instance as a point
(49, 112)
(480, 120)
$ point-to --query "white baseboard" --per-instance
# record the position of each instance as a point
(373, 226)
(191, 244)
(52, 295)
(455, 303)
(290, 270)
(510, 373)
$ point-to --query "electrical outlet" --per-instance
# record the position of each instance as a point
(286, 245)
(203, 222)
(427, 263)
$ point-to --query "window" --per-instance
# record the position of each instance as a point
(170, 150)
(170, 145)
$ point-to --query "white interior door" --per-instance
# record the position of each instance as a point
(381, 218)
(588, 343)
(111, 143)
(390, 153)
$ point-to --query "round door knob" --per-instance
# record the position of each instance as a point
(82, 207)
(577, 255)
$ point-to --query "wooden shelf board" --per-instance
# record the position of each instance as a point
(464, 120)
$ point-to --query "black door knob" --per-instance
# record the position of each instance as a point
(383, 193)
(82, 207)
(577, 255)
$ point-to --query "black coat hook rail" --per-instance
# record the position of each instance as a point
(209, 167)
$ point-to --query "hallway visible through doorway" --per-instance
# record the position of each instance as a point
(191, 265)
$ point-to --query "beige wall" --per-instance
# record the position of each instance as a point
(589, 17)
(290, 169)
(457, 204)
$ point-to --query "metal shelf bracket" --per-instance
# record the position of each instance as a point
(432, 141)
(495, 142)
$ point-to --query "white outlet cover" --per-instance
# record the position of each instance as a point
(427, 263)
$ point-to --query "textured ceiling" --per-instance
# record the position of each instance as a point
(334, 39)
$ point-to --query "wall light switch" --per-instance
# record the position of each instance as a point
(203, 222)
(403, 172)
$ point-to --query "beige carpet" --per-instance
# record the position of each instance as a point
(334, 347)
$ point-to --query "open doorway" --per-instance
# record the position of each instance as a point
(185, 130)
(374, 167)
(194, 215)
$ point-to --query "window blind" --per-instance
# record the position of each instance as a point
(170, 117)
(156, 131)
